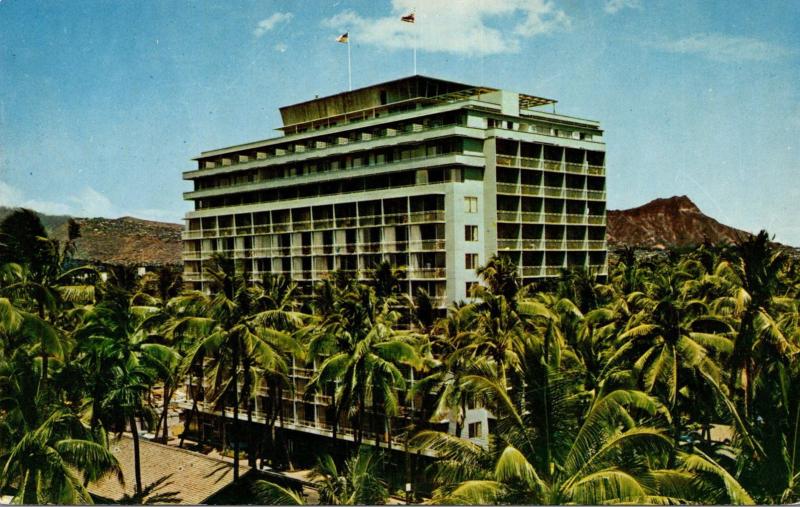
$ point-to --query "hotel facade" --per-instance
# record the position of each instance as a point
(428, 174)
(432, 175)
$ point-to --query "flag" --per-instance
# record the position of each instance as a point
(344, 38)
(408, 18)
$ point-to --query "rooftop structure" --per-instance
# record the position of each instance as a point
(429, 174)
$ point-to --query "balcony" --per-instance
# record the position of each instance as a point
(426, 273)
(574, 168)
(192, 277)
(507, 216)
(301, 225)
(427, 216)
(508, 244)
(508, 188)
(426, 244)
(551, 165)
(531, 217)
(532, 271)
(553, 218)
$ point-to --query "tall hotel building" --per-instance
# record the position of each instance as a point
(429, 174)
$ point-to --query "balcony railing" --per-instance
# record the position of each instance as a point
(550, 165)
(259, 184)
(327, 145)
(426, 273)
(508, 244)
(507, 216)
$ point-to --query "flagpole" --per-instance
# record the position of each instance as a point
(349, 67)
(416, 41)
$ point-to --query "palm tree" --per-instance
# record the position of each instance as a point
(362, 354)
(501, 277)
(46, 463)
(238, 332)
(756, 270)
(357, 484)
(125, 400)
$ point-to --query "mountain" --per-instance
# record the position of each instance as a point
(127, 241)
(124, 241)
(661, 223)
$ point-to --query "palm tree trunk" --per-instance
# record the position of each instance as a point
(335, 422)
(246, 388)
(234, 373)
(167, 398)
(192, 412)
(164, 413)
(137, 464)
(43, 379)
(389, 433)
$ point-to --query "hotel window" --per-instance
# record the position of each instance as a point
(471, 260)
(475, 430)
(470, 287)
(471, 204)
(471, 233)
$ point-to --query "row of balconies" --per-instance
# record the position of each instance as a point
(537, 217)
(432, 159)
(318, 145)
(364, 274)
(415, 217)
(550, 244)
(557, 192)
(420, 245)
(551, 165)
(535, 271)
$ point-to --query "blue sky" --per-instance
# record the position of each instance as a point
(103, 103)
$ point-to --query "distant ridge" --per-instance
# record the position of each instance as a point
(126, 241)
(670, 222)
(661, 223)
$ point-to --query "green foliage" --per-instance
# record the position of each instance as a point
(601, 390)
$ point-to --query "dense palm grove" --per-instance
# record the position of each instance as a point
(603, 391)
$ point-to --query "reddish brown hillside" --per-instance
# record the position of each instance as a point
(674, 221)
(127, 241)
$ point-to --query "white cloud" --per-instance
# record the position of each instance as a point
(88, 203)
(265, 25)
(725, 48)
(91, 203)
(12, 197)
(474, 27)
(614, 6)
(280, 47)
